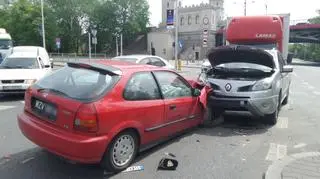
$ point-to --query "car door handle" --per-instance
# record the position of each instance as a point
(172, 107)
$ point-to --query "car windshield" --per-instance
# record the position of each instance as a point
(20, 63)
(5, 44)
(78, 83)
(126, 59)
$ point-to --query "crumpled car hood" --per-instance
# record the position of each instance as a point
(240, 54)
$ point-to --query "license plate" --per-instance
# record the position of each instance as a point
(12, 87)
(40, 105)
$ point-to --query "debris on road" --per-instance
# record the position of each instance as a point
(233, 144)
(301, 145)
(168, 164)
(134, 168)
(7, 157)
(27, 160)
(170, 154)
(198, 140)
(247, 140)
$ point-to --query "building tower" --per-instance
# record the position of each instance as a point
(166, 4)
(218, 6)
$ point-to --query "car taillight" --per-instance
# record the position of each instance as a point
(27, 98)
(86, 118)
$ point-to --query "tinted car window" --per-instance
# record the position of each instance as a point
(126, 59)
(78, 83)
(15, 63)
(172, 85)
(141, 86)
(157, 62)
(146, 61)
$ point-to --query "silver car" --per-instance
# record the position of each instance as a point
(247, 80)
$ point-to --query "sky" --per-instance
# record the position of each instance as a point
(298, 9)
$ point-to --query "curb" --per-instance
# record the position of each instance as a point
(275, 169)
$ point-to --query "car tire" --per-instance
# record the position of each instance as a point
(272, 119)
(286, 100)
(110, 160)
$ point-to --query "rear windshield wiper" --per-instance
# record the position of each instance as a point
(54, 91)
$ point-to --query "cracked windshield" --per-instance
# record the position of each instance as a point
(96, 89)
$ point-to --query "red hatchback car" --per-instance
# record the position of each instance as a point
(108, 111)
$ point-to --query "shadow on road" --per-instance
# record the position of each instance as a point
(236, 126)
(37, 163)
(11, 98)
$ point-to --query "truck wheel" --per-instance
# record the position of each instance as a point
(272, 119)
(121, 152)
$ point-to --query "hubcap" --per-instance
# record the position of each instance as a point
(123, 150)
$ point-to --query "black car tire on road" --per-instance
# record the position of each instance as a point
(272, 119)
(286, 100)
(107, 161)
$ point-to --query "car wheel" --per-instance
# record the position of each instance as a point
(121, 152)
(286, 100)
(272, 119)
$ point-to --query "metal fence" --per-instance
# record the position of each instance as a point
(71, 57)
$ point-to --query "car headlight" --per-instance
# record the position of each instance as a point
(30, 82)
(262, 85)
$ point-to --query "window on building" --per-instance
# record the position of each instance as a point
(182, 21)
(197, 19)
(189, 20)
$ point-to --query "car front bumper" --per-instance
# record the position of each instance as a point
(17, 88)
(72, 146)
(257, 107)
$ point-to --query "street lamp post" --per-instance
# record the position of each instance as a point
(176, 34)
(94, 33)
(43, 30)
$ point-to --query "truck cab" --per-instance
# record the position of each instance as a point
(6, 43)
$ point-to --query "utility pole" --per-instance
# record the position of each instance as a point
(176, 36)
(121, 44)
(89, 44)
(117, 46)
(245, 7)
(266, 5)
(43, 31)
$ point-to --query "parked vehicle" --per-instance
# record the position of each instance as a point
(20, 70)
(6, 43)
(248, 80)
(107, 111)
(146, 59)
(42, 52)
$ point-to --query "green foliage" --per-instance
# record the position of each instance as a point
(71, 20)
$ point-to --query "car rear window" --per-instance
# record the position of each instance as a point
(126, 59)
(79, 83)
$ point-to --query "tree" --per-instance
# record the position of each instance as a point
(23, 19)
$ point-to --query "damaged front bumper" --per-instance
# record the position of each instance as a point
(257, 107)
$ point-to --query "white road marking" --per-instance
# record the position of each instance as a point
(316, 93)
(294, 74)
(2, 108)
(282, 123)
(311, 87)
(276, 152)
(301, 145)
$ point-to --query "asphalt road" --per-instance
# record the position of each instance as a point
(238, 148)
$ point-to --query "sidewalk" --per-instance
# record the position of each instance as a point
(186, 64)
(297, 166)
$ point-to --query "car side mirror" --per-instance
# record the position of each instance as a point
(287, 69)
(196, 92)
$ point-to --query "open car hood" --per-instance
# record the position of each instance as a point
(240, 54)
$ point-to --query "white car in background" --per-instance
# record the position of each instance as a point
(41, 52)
(20, 70)
(146, 59)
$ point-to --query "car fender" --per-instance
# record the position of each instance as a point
(126, 125)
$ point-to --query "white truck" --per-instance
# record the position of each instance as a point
(6, 43)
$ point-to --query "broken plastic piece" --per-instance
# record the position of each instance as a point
(134, 168)
(170, 154)
(168, 164)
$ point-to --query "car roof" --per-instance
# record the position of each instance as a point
(136, 56)
(24, 55)
(123, 66)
